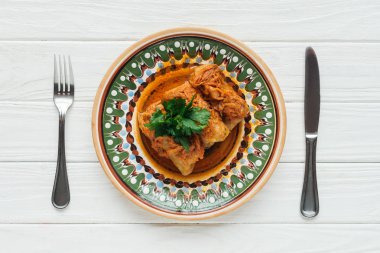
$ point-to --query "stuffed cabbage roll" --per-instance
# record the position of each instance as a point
(210, 82)
(167, 147)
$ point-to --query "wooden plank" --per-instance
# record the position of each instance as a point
(247, 20)
(349, 193)
(227, 238)
(349, 71)
(30, 132)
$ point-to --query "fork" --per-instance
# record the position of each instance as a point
(63, 99)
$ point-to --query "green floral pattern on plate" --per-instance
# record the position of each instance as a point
(124, 154)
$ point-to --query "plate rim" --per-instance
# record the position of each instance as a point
(210, 34)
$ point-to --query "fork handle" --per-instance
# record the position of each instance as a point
(61, 192)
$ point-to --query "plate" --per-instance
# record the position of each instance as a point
(125, 160)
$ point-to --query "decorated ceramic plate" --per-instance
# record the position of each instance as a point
(231, 171)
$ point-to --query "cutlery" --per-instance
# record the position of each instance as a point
(309, 199)
(63, 99)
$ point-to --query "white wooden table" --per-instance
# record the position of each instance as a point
(346, 37)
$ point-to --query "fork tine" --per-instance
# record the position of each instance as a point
(55, 76)
(61, 85)
(71, 76)
(65, 73)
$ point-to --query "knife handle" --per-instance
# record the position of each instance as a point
(309, 199)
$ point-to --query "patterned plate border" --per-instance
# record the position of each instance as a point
(207, 34)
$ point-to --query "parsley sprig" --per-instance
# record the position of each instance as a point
(179, 120)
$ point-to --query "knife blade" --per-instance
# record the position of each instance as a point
(310, 200)
(312, 93)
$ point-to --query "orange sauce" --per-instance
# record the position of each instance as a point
(166, 82)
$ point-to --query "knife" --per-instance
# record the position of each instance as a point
(309, 199)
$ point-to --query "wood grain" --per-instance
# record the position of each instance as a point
(159, 238)
(349, 193)
(349, 71)
(291, 20)
(345, 35)
(30, 132)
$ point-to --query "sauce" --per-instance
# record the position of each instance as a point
(166, 82)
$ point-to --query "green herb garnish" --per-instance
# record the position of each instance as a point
(179, 120)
